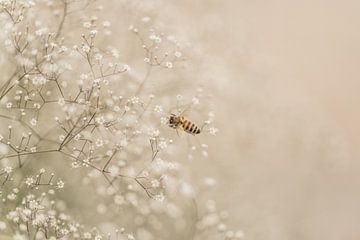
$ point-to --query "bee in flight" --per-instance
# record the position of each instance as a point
(177, 121)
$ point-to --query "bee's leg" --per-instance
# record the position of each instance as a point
(177, 132)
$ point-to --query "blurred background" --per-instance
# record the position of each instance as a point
(282, 77)
(286, 74)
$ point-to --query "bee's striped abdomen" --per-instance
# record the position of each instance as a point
(190, 127)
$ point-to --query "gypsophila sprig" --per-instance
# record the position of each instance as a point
(84, 127)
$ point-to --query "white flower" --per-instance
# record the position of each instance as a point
(38, 80)
(154, 132)
(75, 164)
(121, 163)
(239, 234)
(205, 153)
(114, 170)
(209, 181)
(87, 24)
(195, 100)
(163, 144)
(155, 183)
(164, 120)
(60, 184)
(211, 114)
(84, 76)
(33, 205)
(126, 67)
(39, 220)
(85, 48)
(37, 105)
(146, 19)
(134, 100)
(116, 108)
(93, 33)
(229, 234)
(8, 170)
(29, 181)
(41, 31)
(61, 138)
(77, 137)
(97, 80)
(11, 196)
(213, 131)
(19, 236)
(177, 54)
(159, 197)
(2, 225)
(4, 149)
(187, 189)
(98, 56)
(99, 142)
(100, 120)
(130, 237)
(33, 122)
(221, 227)
(106, 24)
(61, 101)
(158, 109)
(13, 215)
(168, 64)
(87, 235)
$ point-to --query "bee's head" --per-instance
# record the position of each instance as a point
(172, 119)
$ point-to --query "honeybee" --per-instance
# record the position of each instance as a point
(177, 121)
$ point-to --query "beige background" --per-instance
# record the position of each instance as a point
(288, 78)
(284, 77)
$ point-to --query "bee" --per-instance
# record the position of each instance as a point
(177, 121)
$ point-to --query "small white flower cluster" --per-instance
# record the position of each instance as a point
(213, 218)
(77, 99)
(37, 216)
(154, 44)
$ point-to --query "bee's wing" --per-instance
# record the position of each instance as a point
(186, 110)
(182, 110)
(180, 131)
(179, 109)
(171, 111)
(177, 132)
